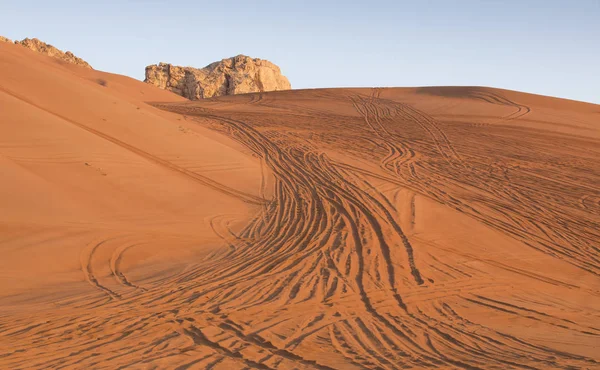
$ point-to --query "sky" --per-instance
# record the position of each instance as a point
(546, 47)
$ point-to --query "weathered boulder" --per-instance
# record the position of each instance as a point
(238, 75)
(41, 47)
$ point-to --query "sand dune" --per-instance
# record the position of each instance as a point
(446, 227)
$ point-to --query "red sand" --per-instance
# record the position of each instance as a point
(443, 227)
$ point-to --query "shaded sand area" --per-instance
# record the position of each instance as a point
(310, 229)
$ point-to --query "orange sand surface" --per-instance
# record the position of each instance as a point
(387, 228)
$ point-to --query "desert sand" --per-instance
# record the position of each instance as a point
(386, 228)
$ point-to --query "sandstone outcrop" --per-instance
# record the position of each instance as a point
(41, 47)
(237, 75)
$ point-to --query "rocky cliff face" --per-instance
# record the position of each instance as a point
(237, 75)
(41, 47)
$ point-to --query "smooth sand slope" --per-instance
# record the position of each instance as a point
(317, 229)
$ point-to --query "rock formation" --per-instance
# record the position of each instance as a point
(41, 47)
(238, 75)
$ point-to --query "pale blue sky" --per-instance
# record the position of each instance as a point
(546, 47)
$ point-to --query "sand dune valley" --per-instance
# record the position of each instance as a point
(371, 228)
